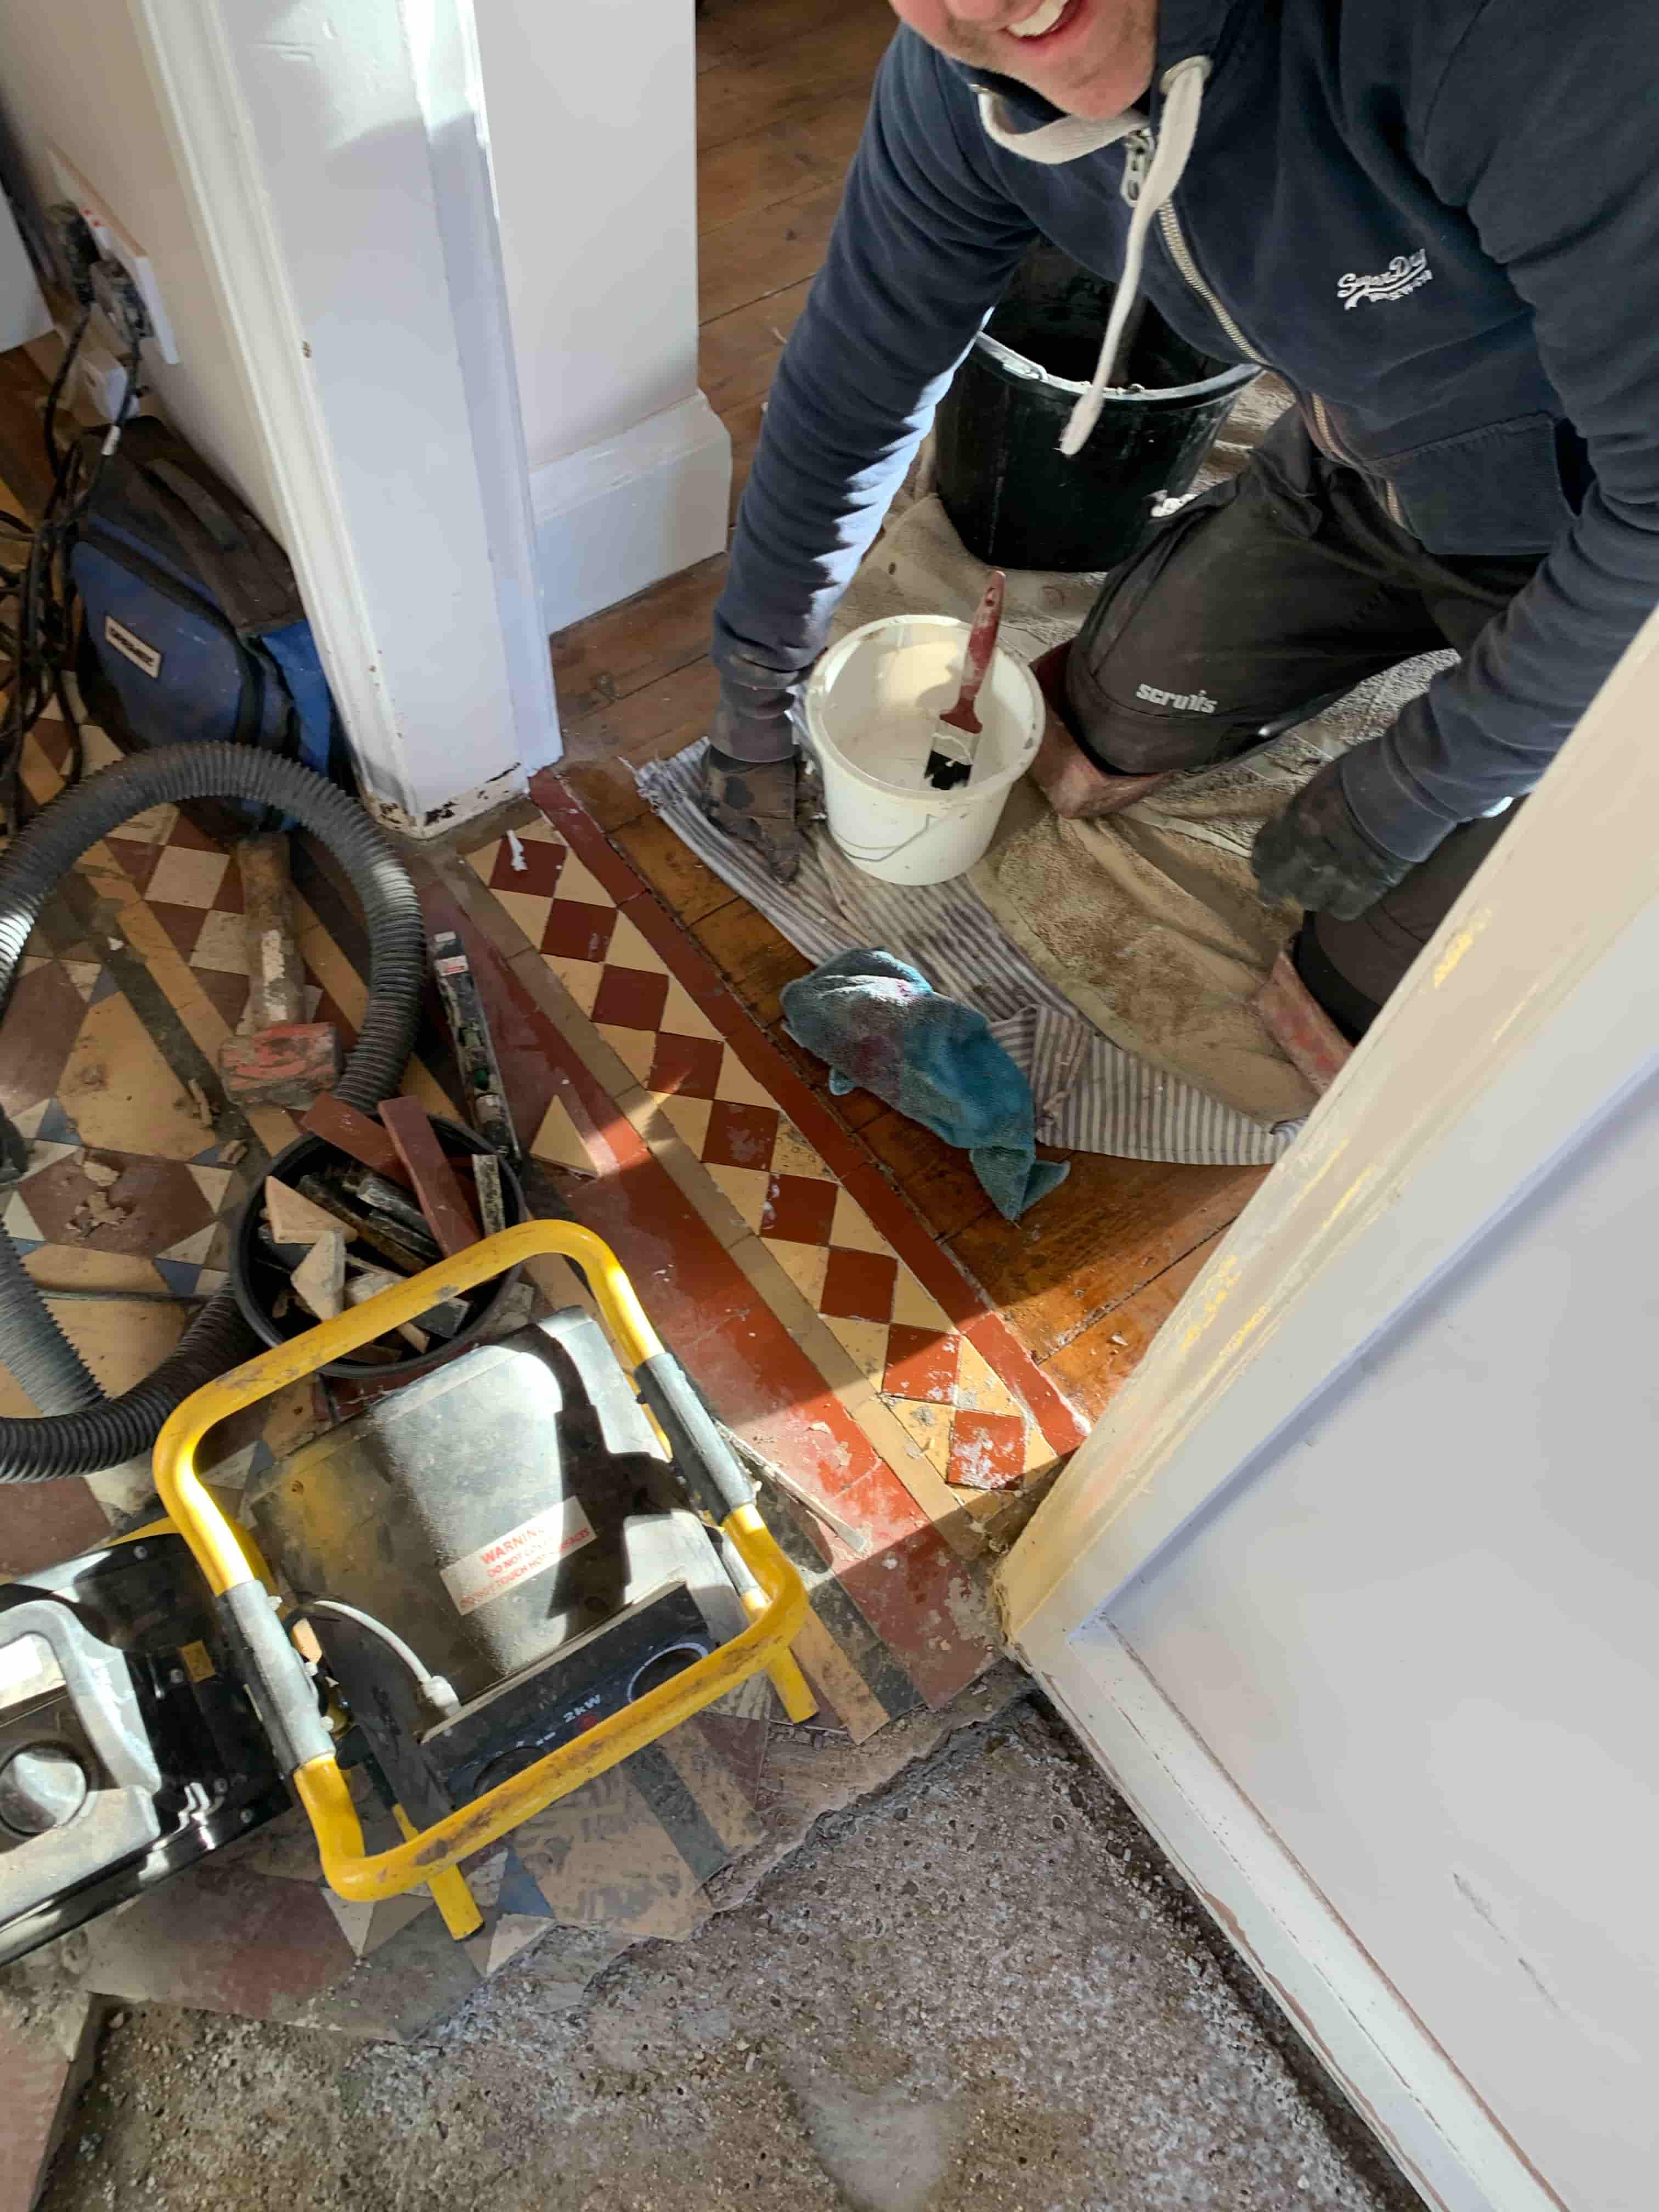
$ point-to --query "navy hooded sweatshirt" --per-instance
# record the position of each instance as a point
(1437, 220)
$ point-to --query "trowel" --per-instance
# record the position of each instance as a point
(950, 762)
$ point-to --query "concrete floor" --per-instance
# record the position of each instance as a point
(982, 1989)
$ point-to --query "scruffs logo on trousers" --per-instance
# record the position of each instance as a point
(1405, 273)
(1188, 702)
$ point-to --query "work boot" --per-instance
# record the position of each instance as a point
(1074, 786)
(756, 803)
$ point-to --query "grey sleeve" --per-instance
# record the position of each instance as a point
(1542, 131)
(923, 249)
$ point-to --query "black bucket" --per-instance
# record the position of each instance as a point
(1015, 500)
(259, 1279)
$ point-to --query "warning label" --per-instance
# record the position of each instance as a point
(502, 1565)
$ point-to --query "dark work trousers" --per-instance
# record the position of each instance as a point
(1286, 587)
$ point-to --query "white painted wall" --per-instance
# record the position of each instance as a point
(591, 107)
(73, 73)
(1420, 1635)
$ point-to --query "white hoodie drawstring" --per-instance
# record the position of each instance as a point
(1069, 140)
(1182, 87)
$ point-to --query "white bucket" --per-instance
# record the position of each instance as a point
(872, 713)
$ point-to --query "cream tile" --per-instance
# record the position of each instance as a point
(681, 1014)
(539, 830)
(222, 945)
(918, 1308)
(184, 877)
(793, 1155)
(866, 1340)
(636, 1048)
(581, 978)
(84, 974)
(853, 1227)
(746, 1188)
(192, 1250)
(483, 862)
(528, 911)
(579, 885)
(929, 1428)
(804, 1264)
(980, 1389)
(687, 1117)
(559, 1141)
(18, 1222)
(213, 1183)
(630, 947)
(736, 1084)
(121, 1094)
(83, 1267)
(1040, 1454)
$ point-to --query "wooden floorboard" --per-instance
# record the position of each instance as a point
(1090, 1273)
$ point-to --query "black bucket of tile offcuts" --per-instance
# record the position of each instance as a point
(1013, 498)
(260, 1282)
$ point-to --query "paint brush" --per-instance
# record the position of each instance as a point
(946, 771)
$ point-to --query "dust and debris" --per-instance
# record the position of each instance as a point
(95, 1211)
(981, 1991)
(201, 1102)
(99, 1171)
(231, 1154)
(515, 851)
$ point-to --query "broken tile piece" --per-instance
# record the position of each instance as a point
(320, 1279)
(294, 1219)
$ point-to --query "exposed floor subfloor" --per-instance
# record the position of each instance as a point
(979, 1992)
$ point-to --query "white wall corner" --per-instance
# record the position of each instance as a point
(623, 514)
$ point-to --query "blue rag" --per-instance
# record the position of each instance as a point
(882, 1027)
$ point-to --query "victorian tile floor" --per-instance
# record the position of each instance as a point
(815, 1309)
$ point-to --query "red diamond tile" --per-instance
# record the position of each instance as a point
(740, 1136)
(42, 1022)
(183, 924)
(543, 864)
(800, 1209)
(226, 994)
(227, 899)
(137, 861)
(630, 998)
(184, 832)
(576, 932)
(690, 1066)
(988, 1451)
(858, 1285)
(922, 1363)
(162, 1199)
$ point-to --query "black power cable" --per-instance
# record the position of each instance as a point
(41, 641)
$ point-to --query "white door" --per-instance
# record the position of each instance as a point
(1355, 1589)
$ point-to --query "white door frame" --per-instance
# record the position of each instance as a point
(338, 160)
(1526, 1017)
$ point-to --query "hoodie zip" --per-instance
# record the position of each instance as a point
(1138, 154)
(1380, 486)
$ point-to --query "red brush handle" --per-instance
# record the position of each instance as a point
(982, 638)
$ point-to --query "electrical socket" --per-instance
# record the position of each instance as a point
(117, 243)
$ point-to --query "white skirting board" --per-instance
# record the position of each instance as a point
(1388, 2063)
(617, 517)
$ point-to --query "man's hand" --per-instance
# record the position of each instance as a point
(1317, 855)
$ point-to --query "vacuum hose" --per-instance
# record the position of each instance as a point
(82, 1431)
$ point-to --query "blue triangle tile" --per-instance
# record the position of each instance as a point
(179, 1275)
(207, 1159)
(23, 1245)
(56, 1128)
(104, 987)
(520, 1894)
(263, 1457)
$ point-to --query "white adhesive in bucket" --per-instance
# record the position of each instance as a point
(872, 713)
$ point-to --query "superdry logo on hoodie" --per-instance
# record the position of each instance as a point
(1405, 273)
